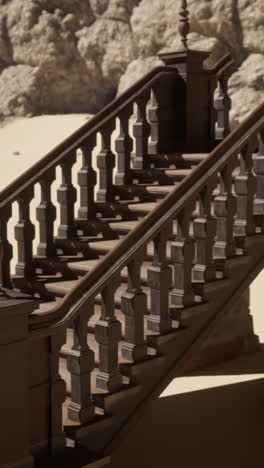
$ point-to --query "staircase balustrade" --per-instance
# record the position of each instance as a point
(159, 280)
(245, 188)
(123, 147)
(172, 282)
(80, 363)
(225, 209)
(134, 308)
(141, 131)
(108, 336)
(212, 231)
(24, 235)
(64, 155)
(204, 230)
(182, 255)
(46, 215)
(67, 197)
(87, 178)
(219, 121)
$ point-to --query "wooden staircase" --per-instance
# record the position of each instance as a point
(127, 290)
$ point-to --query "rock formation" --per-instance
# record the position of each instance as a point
(59, 56)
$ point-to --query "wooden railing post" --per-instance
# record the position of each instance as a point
(67, 197)
(80, 363)
(222, 105)
(182, 255)
(204, 229)
(87, 181)
(134, 307)
(160, 282)
(153, 117)
(141, 132)
(224, 209)
(46, 215)
(24, 235)
(259, 170)
(108, 335)
(245, 188)
(6, 249)
(57, 394)
(106, 164)
(123, 147)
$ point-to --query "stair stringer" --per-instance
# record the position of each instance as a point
(174, 350)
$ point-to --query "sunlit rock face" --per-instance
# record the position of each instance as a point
(59, 56)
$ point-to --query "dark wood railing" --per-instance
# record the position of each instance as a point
(64, 156)
(213, 234)
(244, 140)
(146, 134)
(77, 307)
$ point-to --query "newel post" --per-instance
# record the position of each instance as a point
(14, 391)
(191, 126)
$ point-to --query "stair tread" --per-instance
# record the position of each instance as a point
(87, 265)
(163, 170)
(146, 187)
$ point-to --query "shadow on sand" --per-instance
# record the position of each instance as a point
(220, 427)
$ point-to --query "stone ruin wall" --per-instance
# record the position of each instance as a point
(67, 56)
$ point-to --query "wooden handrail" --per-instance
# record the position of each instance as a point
(146, 230)
(55, 156)
(222, 65)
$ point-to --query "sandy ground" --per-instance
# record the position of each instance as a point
(24, 141)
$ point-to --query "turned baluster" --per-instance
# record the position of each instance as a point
(134, 307)
(66, 196)
(160, 280)
(204, 229)
(108, 335)
(123, 147)
(259, 170)
(24, 235)
(57, 392)
(245, 188)
(6, 249)
(222, 104)
(106, 164)
(141, 132)
(87, 181)
(153, 117)
(182, 255)
(224, 209)
(46, 215)
(80, 363)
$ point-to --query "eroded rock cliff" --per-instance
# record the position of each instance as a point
(73, 55)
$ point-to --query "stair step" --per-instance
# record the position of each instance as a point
(178, 159)
(104, 247)
(159, 174)
(59, 289)
(144, 191)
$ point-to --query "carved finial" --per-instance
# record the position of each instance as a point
(184, 26)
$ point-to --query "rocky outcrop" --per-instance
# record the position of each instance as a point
(61, 56)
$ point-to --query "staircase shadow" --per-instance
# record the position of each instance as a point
(251, 363)
(211, 428)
